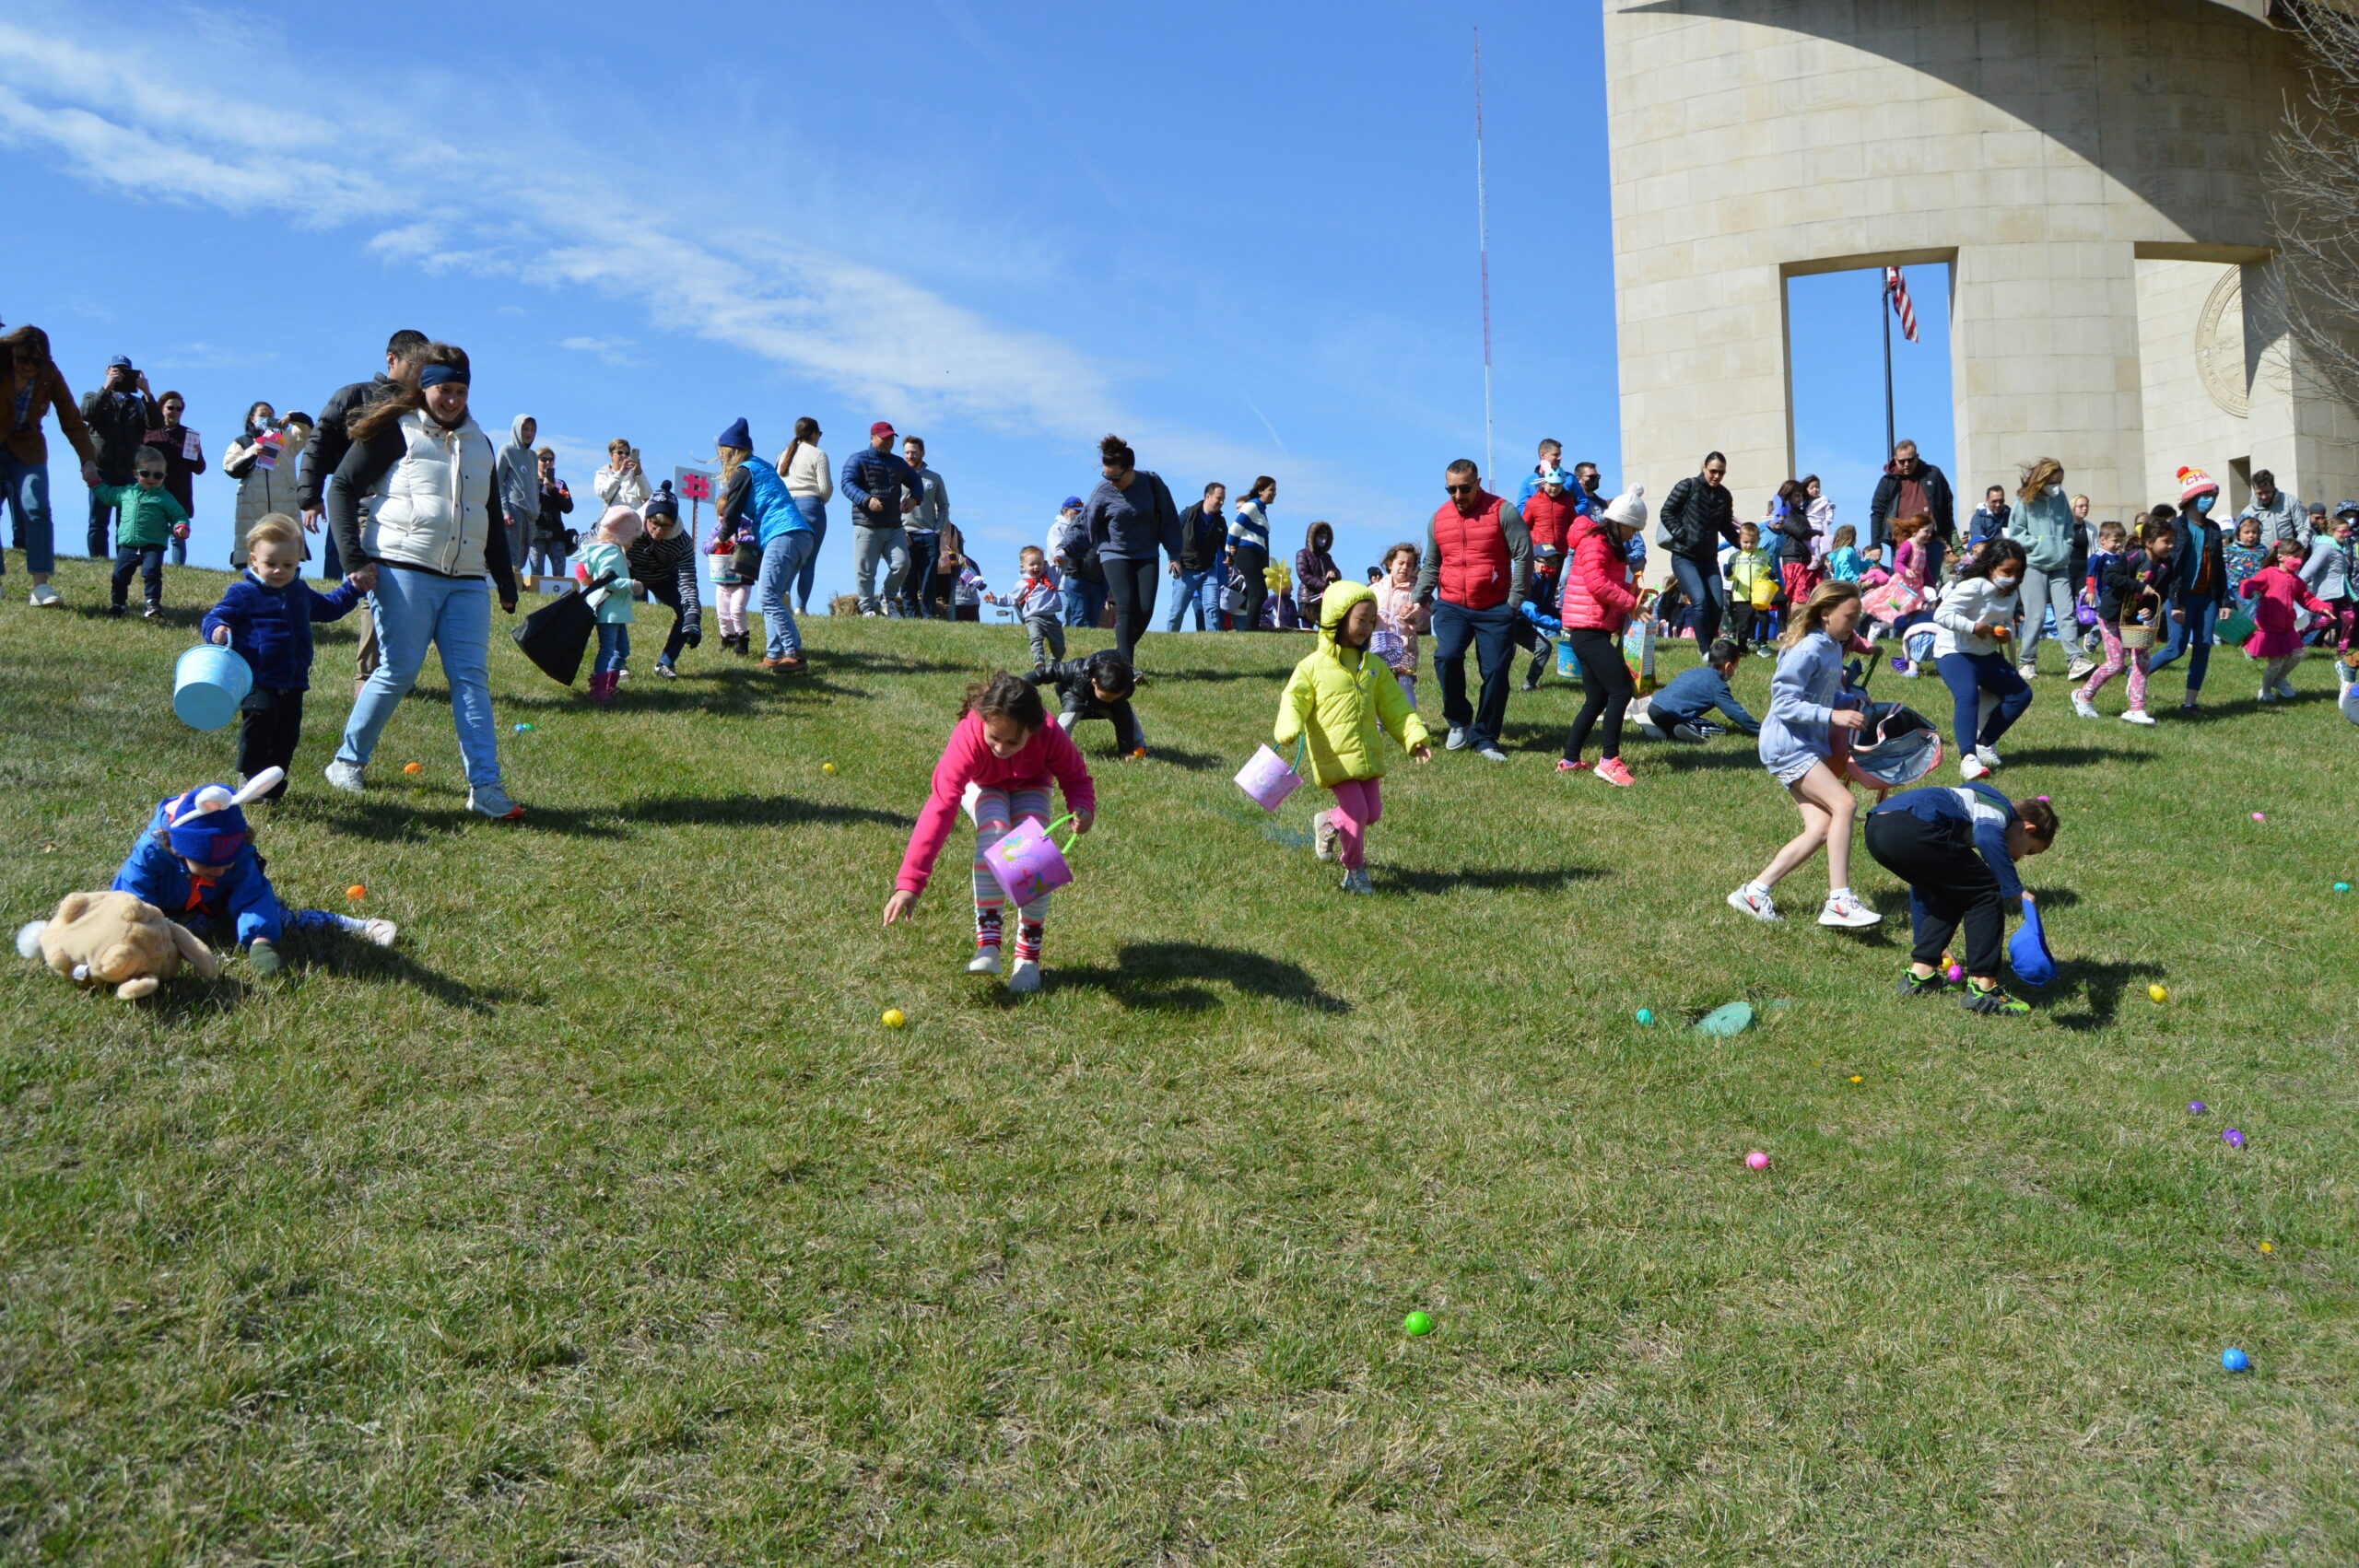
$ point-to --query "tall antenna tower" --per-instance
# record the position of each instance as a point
(1483, 244)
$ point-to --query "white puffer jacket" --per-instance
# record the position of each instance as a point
(265, 490)
(1968, 604)
(428, 510)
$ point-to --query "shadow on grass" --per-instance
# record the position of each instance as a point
(346, 956)
(1159, 976)
(1187, 762)
(750, 810)
(2072, 757)
(1682, 758)
(189, 999)
(872, 664)
(725, 690)
(1485, 879)
(390, 820)
(2056, 897)
(2099, 987)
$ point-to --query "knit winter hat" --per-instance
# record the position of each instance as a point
(205, 824)
(2348, 508)
(1628, 509)
(2194, 482)
(737, 435)
(663, 503)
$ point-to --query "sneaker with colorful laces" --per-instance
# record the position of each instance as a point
(1745, 901)
(1613, 771)
(1992, 1002)
(1844, 909)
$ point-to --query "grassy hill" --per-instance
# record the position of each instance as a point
(602, 1220)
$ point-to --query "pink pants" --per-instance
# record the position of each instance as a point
(2116, 658)
(1358, 805)
(731, 598)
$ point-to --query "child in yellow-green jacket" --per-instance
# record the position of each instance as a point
(149, 516)
(1340, 702)
(1752, 585)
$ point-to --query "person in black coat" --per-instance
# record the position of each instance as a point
(1911, 486)
(1098, 686)
(1698, 514)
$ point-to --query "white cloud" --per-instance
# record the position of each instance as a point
(142, 117)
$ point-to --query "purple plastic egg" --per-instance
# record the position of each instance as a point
(2234, 1138)
(2195, 1108)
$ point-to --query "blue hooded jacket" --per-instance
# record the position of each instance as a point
(242, 899)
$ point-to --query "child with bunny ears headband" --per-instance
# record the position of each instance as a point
(195, 861)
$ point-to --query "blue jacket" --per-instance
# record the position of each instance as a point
(1982, 811)
(774, 510)
(1804, 695)
(271, 627)
(243, 899)
(869, 473)
(1693, 693)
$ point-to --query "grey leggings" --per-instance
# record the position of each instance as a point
(2054, 591)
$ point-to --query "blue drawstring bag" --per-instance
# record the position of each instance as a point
(2028, 953)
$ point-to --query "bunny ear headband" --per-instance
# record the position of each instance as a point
(207, 826)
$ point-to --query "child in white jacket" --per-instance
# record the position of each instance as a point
(1973, 626)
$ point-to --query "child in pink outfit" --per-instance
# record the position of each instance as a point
(1007, 753)
(2276, 590)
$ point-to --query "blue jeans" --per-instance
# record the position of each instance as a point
(1492, 633)
(782, 560)
(613, 647)
(547, 559)
(1085, 602)
(2193, 633)
(1968, 675)
(25, 488)
(815, 512)
(453, 614)
(1196, 589)
(1701, 580)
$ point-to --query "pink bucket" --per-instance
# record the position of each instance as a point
(1026, 863)
(1266, 778)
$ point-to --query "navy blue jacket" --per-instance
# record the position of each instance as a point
(1693, 693)
(881, 474)
(1984, 812)
(271, 627)
(242, 902)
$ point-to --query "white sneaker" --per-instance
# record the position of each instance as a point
(381, 933)
(346, 777)
(1989, 757)
(1026, 976)
(1491, 753)
(1457, 741)
(1847, 911)
(1971, 768)
(2028, 672)
(2266, 696)
(2084, 707)
(2285, 690)
(985, 962)
(2137, 716)
(1324, 835)
(667, 672)
(45, 597)
(2081, 670)
(1745, 901)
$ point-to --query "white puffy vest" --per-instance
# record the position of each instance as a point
(429, 508)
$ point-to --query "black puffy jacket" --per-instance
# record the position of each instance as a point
(1696, 516)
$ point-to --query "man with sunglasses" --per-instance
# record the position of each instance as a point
(1478, 564)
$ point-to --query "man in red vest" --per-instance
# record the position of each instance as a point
(1478, 558)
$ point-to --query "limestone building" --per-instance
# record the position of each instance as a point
(2090, 170)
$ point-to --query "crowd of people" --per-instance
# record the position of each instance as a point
(422, 521)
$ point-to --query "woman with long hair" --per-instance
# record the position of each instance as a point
(810, 484)
(431, 535)
(1129, 516)
(1807, 706)
(752, 497)
(30, 385)
(2042, 523)
(1248, 549)
(1973, 627)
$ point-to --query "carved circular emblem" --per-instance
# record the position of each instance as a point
(2220, 343)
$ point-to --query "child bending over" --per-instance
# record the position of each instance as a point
(1097, 687)
(1956, 849)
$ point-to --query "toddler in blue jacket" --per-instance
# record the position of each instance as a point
(266, 617)
(195, 861)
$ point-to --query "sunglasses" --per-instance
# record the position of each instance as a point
(1459, 489)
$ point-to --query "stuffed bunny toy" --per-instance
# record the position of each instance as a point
(116, 939)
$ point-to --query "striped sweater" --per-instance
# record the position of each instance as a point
(654, 560)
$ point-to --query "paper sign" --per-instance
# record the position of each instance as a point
(692, 484)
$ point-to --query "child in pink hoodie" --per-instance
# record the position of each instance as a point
(2275, 590)
(1005, 749)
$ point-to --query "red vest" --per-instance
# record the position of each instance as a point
(1550, 522)
(1476, 568)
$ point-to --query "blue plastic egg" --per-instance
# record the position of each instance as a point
(2234, 1358)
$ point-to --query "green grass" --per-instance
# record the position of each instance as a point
(601, 1221)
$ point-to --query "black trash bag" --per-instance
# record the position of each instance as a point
(556, 635)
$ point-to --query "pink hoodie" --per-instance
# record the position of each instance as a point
(968, 759)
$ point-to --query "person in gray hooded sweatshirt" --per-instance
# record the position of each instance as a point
(520, 485)
(2042, 523)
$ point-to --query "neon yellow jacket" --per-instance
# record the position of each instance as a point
(1342, 701)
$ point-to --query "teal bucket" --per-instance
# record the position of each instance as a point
(207, 686)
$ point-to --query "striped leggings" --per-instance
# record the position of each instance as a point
(997, 811)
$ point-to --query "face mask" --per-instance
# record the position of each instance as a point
(2056, 489)
(2204, 504)
(2003, 584)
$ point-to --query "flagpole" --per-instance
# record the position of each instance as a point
(1482, 243)
(1885, 313)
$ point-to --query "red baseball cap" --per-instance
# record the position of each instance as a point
(880, 429)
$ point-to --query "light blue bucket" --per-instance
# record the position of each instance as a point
(207, 686)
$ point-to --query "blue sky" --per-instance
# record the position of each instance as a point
(1241, 236)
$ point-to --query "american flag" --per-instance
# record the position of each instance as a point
(1901, 305)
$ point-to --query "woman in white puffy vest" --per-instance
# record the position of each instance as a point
(431, 535)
